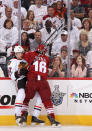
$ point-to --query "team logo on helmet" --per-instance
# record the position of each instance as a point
(18, 49)
(57, 96)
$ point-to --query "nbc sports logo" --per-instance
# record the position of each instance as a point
(74, 95)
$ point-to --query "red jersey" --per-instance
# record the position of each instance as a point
(60, 13)
(39, 67)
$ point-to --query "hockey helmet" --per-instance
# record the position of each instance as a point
(18, 49)
(42, 49)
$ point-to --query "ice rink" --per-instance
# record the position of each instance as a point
(63, 128)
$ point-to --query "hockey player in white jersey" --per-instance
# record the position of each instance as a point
(14, 66)
(16, 73)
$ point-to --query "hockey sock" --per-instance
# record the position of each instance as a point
(19, 101)
(37, 107)
(36, 111)
(49, 108)
(24, 109)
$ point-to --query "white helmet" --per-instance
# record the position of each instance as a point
(18, 49)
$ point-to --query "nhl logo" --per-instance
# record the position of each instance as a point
(57, 96)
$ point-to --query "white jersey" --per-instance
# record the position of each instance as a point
(14, 65)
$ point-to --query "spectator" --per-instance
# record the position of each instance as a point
(85, 4)
(74, 37)
(90, 4)
(90, 16)
(8, 3)
(60, 11)
(89, 63)
(75, 21)
(9, 15)
(39, 11)
(16, 10)
(25, 43)
(26, 3)
(56, 22)
(30, 16)
(50, 2)
(87, 27)
(57, 68)
(37, 41)
(79, 11)
(84, 45)
(75, 54)
(9, 33)
(60, 42)
(26, 27)
(79, 69)
(46, 33)
(64, 57)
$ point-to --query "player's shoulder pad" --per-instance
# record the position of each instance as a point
(11, 61)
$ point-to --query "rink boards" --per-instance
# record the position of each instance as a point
(72, 99)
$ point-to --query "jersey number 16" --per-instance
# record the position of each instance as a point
(41, 67)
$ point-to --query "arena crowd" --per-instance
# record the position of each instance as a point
(39, 19)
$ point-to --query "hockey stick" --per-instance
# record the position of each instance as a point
(56, 30)
(61, 27)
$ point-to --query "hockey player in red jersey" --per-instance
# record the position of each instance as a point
(38, 64)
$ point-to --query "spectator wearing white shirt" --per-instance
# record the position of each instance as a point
(8, 3)
(59, 43)
(75, 21)
(51, 2)
(9, 33)
(26, 27)
(74, 38)
(39, 11)
(16, 11)
(56, 21)
(9, 15)
(30, 16)
(46, 33)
